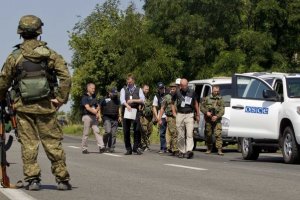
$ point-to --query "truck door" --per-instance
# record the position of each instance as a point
(206, 90)
(251, 115)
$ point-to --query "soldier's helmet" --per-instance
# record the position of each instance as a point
(30, 25)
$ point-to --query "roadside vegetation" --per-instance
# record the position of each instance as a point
(194, 39)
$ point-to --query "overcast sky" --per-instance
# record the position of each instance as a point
(59, 16)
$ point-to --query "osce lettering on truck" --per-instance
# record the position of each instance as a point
(257, 110)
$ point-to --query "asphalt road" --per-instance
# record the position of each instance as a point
(154, 176)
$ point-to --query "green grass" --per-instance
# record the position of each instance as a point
(76, 130)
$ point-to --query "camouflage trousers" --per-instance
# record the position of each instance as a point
(146, 130)
(171, 134)
(210, 129)
(44, 128)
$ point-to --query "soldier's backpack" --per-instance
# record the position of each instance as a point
(32, 80)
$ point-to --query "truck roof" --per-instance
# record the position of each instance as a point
(213, 81)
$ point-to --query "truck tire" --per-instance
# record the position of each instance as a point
(290, 148)
(249, 151)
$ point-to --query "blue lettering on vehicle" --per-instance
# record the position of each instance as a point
(257, 110)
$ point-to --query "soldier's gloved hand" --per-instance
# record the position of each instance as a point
(56, 103)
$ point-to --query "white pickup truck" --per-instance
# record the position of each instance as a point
(265, 113)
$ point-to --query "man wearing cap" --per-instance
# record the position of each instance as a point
(166, 107)
(158, 98)
(110, 114)
(186, 105)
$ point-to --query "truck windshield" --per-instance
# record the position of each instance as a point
(225, 90)
(293, 87)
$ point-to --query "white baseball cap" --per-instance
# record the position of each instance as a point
(178, 81)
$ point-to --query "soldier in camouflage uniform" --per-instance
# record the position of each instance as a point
(213, 110)
(166, 107)
(36, 112)
(146, 120)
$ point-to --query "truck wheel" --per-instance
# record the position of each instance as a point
(290, 149)
(249, 151)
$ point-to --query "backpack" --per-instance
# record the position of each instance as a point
(31, 81)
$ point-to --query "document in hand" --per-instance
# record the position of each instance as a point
(130, 114)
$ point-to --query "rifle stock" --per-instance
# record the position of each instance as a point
(11, 113)
(3, 162)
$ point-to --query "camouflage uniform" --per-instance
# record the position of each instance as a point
(217, 103)
(146, 123)
(171, 135)
(37, 120)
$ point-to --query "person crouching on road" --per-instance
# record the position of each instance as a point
(110, 114)
(213, 110)
(186, 105)
(90, 109)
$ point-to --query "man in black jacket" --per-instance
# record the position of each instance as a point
(110, 111)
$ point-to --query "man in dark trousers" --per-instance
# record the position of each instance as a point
(131, 98)
(110, 114)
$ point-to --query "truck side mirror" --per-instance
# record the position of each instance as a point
(270, 95)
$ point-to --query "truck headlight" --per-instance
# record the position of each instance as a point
(225, 122)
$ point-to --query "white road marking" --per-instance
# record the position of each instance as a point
(186, 167)
(74, 147)
(110, 154)
(16, 194)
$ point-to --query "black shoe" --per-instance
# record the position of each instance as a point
(180, 155)
(190, 155)
(174, 153)
(138, 151)
(101, 150)
(85, 151)
(111, 150)
(64, 185)
(33, 185)
(128, 152)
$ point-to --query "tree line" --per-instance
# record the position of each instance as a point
(194, 39)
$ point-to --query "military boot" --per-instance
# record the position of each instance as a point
(33, 185)
(64, 185)
(208, 151)
(220, 153)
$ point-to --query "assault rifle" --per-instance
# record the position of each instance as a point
(4, 147)
(213, 111)
(11, 113)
